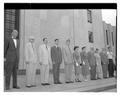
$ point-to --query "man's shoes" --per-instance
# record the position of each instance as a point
(93, 79)
(28, 86)
(16, 87)
(7, 88)
(59, 83)
(71, 82)
(79, 81)
(45, 84)
(105, 77)
(33, 85)
(67, 82)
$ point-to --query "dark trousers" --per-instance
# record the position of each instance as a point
(93, 72)
(111, 68)
(56, 73)
(10, 70)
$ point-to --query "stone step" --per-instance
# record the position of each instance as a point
(89, 86)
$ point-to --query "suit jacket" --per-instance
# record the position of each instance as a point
(104, 58)
(44, 54)
(11, 53)
(91, 59)
(30, 53)
(56, 54)
(67, 55)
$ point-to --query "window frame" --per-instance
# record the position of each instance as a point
(90, 37)
(89, 15)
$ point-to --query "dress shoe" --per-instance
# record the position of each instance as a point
(59, 83)
(28, 86)
(7, 88)
(71, 82)
(43, 84)
(33, 85)
(47, 84)
(67, 82)
(79, 81)
(16, 87)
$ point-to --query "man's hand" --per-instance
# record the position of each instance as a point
(4, 59)
(89, 68)
(40, 63)
(17, 66)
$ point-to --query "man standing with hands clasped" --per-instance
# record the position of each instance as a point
(56, 56)
(31, 60)
(68, 61)
(44, 60)
(11, 59)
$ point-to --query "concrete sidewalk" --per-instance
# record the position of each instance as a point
(89, 86)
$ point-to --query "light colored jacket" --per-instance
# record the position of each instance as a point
(30, 53)
(67, 55)
(44, 54)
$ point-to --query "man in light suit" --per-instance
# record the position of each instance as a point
(31, 60)
(68, 61)
(11, 59)
(45, 60)
(56, 56)
(92, 63)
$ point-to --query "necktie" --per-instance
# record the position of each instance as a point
(32, 47)
(46, 47)
(69, 50)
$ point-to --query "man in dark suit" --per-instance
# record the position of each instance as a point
(11, 59)
(56, 56)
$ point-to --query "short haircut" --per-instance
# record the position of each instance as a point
(83, 47)
(56, 40)
(44, 39)
(75, 47)
(109, 47)
(15, 31)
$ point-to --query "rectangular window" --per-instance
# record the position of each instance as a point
(90, 36)
(112, 38)
(107, 37)
(11, 20)
(89, 15)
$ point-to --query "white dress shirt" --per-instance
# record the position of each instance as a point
(110, 55)
(15, 42)
(44, 54)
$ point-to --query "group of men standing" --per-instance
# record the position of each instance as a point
(78, 66)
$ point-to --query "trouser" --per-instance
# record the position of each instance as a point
(10, 69)
(56, 72)
(44, 73)
(68, 72)
(30, 74)
(93, 72)
(111, 68)
(105, 69)
(99, 72)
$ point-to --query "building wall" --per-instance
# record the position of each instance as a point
(111, 29)
(61, 24)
